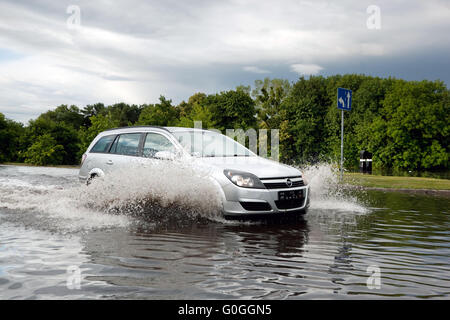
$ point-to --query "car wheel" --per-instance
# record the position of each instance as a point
(92, 177)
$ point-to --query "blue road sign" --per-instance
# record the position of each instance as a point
(344, 99)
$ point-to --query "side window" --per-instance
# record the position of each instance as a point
(127, 144)
(155, 142)
(103, 144)
(114, 145)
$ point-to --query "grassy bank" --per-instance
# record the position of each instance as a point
(393, 182)
(31, 165)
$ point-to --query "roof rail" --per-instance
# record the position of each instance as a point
(130, 127)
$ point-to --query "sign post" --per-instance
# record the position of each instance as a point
(344, 102)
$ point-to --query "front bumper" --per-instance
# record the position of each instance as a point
(236, 196)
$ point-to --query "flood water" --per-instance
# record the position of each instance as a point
(59, 241)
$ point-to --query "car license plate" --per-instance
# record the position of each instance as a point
(290, 195)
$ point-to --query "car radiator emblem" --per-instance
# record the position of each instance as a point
(289, 183)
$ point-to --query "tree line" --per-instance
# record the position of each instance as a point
(405, 124)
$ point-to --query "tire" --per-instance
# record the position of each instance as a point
(92, 177)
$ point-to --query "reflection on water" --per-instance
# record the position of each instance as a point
(326, 255)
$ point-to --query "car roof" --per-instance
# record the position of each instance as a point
(144, 128)
(179, 129)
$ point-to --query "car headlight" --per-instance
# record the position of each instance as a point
(244, 179)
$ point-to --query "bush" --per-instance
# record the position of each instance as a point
(45, 151)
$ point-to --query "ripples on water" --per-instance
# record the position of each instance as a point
(178, 247)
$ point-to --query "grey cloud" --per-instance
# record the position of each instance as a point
(106, 76)
(135, 50)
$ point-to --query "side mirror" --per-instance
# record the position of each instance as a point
(165, 155)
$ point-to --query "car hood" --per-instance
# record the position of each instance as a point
(261, 167)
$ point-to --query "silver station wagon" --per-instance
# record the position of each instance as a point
(250, 185)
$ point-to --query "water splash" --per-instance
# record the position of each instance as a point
(326, 191)
(156, 190)
(161, 193)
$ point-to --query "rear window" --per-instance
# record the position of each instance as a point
(103, 144)
(127, 144)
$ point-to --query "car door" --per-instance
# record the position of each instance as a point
(99, 155)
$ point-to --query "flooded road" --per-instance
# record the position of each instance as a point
(56, 242)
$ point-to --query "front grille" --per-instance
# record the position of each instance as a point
(283, 185)
(289, 204)
(256, 206)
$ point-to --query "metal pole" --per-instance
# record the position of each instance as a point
(342, 144)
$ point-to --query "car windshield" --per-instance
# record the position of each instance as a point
(210, 144)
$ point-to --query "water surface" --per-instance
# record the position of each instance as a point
(47, 227)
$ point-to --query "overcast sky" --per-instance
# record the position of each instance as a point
(134, 51)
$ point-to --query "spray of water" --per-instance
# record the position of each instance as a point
(162, 189)
(160, 193)
(53, 208)
(327, 193)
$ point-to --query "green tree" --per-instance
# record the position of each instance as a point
(92, 110)
(70, 116)
(160, 114)
(269, 95)
(232, 109)
(196, 109)
(185, 108)
(302, 129)
(125, 114)
(45, 151)
(367, 103)
(198, 113)
(412, 130)
(11, 136)
(64, 135)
